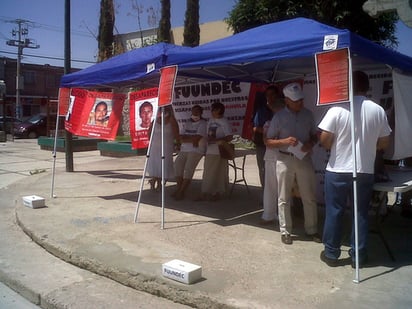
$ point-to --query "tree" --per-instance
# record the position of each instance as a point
(163, 34)
(348, 14)
(191, 32)
(106, 25)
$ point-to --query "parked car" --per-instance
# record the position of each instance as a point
(9, 122)
(37, 126)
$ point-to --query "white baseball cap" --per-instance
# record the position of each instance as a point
(293, 91)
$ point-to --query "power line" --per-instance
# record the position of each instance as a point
(49, 27)
(20, 33)
(61, 29)
(46, 57)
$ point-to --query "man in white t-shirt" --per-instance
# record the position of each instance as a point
(371, 133)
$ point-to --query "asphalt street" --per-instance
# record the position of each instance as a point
(34, 278)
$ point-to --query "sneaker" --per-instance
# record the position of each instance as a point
(327, 260)
(286, 239)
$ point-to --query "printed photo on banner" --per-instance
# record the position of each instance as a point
(100, 112)
(70, 108)
(94, 114)
(74, 109)
(145, 111)
(142, 109)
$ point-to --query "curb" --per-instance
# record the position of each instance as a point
(138, 281)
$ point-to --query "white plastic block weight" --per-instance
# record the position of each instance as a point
(33, 201)
(182, 271)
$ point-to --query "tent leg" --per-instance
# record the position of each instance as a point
(144, 174)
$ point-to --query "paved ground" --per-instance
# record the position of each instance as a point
(90, 224)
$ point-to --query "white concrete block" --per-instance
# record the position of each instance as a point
(182, 271)
(34, 201)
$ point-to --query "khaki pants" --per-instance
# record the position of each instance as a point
(287, 168)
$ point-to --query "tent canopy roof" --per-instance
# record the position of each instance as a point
(276, 51)
(124, 70)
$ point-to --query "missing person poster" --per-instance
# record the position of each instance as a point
(167, 84)
(64, 101)
(143, 108)
(332, 72)
(94, 114)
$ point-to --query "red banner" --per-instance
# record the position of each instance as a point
(167, 84)
(143, 108)
(256, 97)
(64, 101)
(332, 72)
(94, 114)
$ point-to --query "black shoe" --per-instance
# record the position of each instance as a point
(328, 261)
(315, 237)
(286, 239)
(362, 260)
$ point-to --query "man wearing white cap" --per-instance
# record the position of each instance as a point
(293, 132)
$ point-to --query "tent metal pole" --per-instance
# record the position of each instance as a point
(354, 173)
(52, 195)
(163, 170)
(274, 71)
(144, 173)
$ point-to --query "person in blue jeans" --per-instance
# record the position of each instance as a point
(371, 134)
(263, 112)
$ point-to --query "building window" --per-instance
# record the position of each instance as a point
(29, 77)
(53, 81)
(26, 110)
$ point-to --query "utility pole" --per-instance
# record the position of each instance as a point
(67, 69)
(21, 42)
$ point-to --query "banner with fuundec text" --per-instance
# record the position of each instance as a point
(239, 100)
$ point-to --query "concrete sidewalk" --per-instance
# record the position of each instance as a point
(90, 224)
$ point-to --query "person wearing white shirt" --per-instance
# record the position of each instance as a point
(293, 132)
(193, 147)
(371, 134)
(215, 180)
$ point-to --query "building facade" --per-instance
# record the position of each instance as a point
(208, 32)
(39, 85)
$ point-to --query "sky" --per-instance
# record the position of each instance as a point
(46, 26)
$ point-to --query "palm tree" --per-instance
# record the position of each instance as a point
(191, 32)
(106, 25)
(163, 34)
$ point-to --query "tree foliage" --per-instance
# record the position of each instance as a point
(163, 34)
(106, 25)
(191, 32)
(347, 14)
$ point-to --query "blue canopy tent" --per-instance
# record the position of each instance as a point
(124, 70)
(276, 51)
(280, 51)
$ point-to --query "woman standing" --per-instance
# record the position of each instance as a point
(216, 172)
(171, 134)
